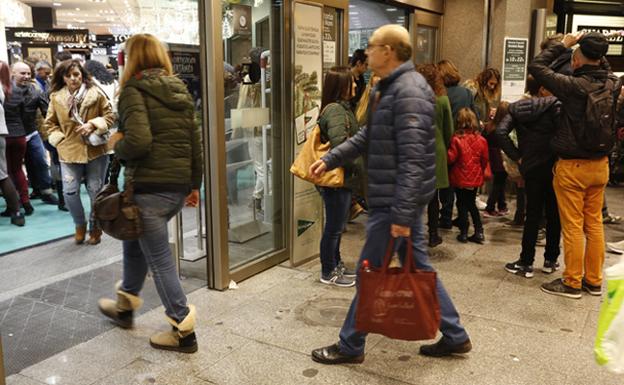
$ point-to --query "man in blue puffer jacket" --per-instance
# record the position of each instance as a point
(400, 145)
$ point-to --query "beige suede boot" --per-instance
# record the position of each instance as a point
(120, 311)
(181, 338)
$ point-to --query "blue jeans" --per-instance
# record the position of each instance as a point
(152, 251)
(36, 165)
(73, 173)
(337, 204)
(377, 238)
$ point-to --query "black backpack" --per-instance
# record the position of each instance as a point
(598, 131)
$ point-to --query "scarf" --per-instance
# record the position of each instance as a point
(74, 101)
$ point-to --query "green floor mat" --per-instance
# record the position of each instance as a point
(46, 224)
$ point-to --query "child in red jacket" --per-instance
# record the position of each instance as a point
(468, 158)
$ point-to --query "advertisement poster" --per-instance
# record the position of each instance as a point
(514, 68)
(307, 203)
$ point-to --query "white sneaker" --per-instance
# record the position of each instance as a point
(480, 204)
(616, 247)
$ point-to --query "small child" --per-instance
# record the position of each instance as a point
(468, 158)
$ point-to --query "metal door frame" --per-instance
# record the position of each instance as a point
(216, 211)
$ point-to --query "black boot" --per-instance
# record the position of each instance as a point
(463, 236)
(477, 237)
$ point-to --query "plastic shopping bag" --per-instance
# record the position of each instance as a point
(609, 345)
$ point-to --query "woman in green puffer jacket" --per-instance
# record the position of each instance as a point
(160, 145)
(337, 123)
(443, 120)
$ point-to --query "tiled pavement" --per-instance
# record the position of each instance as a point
(262, 332)
(46, 321)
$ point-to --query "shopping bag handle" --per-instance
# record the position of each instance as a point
(408, 262)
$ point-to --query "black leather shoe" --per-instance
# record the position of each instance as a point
(462, 237)
(330, 355)
(434, 240)
(443, 349)
(49, 199)
(28, 209)
(477, 237)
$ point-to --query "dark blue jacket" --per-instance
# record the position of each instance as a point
(400, 143)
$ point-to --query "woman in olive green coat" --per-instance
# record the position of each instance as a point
(160, 145)
(443, 121)
(337, 123)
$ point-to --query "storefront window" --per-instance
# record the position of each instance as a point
(252, 129)
(365, 16)
(96, 31)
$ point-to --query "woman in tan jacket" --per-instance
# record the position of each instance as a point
(79, 117)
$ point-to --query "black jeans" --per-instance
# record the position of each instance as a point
(433, 212)
(447, 198)
(466, 203)
(540, 197)
(497, 195)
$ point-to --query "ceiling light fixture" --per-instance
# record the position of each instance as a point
(57, 4)
(77, 9)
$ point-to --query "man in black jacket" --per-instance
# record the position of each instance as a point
(581, 173)
(534, 121)
(34, 99)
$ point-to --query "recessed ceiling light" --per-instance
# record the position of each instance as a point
(77, 9)
(57, 4)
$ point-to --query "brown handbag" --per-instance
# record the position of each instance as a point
(398, 302)
(115, 211)
(313, 149)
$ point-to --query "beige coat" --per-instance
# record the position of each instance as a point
(95, 109)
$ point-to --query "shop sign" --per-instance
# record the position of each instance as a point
(308, 52)
(28, 35)
(329, 38)
(614, 35)
(242, 19)
(96, 51)
(514, 68)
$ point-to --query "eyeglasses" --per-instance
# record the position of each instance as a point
(370, 45)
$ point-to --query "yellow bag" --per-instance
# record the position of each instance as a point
(312, 151)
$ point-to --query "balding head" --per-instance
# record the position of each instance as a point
(397, 38)
(21, 73)
(388, 47)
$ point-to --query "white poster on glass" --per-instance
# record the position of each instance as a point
(308, 60)
(515, 53)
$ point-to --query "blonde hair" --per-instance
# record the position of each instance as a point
(361, 111)
(144, 51)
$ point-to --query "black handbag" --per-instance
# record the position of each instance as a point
(115, 211)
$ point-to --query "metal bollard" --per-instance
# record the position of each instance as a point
(1, 364)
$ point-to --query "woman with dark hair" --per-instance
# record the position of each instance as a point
(78, 115)
(337, 123)
(443, 120)
(6, 185)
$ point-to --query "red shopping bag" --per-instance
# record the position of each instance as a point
(400, 303)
